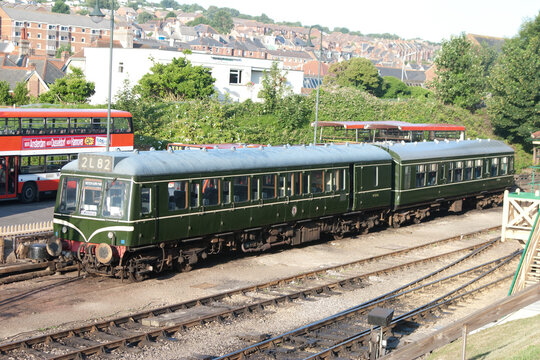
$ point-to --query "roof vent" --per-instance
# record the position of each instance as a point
(424, 140)
(326, 145)
(261, 147)
(169, 150)
(402, 142)
(468, 139)
(205, 149)
(436, 141)
(232, 148)
(152, 149)
(416, 142)
(479, 140)
(347, 143)
(489, 139)
(135, 151)
(118, 149)
(446, 141)
(269, 145)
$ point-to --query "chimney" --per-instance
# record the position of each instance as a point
(32, 66)
(24, 47)
(125, 36)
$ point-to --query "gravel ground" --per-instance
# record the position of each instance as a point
(95, 299)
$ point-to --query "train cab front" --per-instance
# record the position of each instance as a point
(91, 222)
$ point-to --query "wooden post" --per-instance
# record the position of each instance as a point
(464, 347)
(2, 257)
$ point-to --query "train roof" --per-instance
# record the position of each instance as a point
(446, 149)
(162, 163)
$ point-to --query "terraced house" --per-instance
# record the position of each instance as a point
(45, 31)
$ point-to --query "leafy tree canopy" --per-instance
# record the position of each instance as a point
(63, 48)
(342, 30)
(359, 73)
(103, 4)
(5, 96)
(20, 94)
(394, 88)
(459, 73)
(191, 8)
(72, 88)
(515, 86)
(60, 7)
(177, 80)
(170, 14)
(144, 17)
(167, 4)
(274, 87)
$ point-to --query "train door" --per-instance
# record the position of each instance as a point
(148, 230)
(8, 177)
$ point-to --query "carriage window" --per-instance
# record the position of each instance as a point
(57, 125)
(289, 180)
(210, 192)
(194, 198)
(145, 201)
(121, 125)
(297, 187)
(269, 186)
(450, 176)
(91, 196)
(432, 174)
(467, 173)
(305, 183)
(406, 177)
(240, 188)
(254, 182)
(99, 125)
(32, 126)
(282, 185)
(68, 195)
(504, 166)
(477, 169)
(510, 164)
(226, 192)
(341, 181)
(10, 126)
(494, 167)
(115, 197)
(458, 172)
(177, 195)
(420, 175)
(317, 181)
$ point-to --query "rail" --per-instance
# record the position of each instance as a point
(472, 322)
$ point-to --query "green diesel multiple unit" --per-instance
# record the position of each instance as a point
(131, 214)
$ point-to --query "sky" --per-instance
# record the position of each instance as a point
(432, 20)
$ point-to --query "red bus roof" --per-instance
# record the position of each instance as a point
(50, 112)
(400, 125)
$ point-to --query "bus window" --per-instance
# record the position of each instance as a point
(32, 126)
(91, 196)
(55, 162)
(80, 125)
(9, 126)
(99, 125)
(57, 126)
(68, 195)
(32, 164)
(121, 125)
(115, 197)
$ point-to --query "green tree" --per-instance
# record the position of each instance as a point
(342, 30)
(72, 88)
(359, 73)
(274, 87)
(515, 86)
(63, 48)
(394, 88)
(103, 4)
(176, 80)
(5, 96)
(20, 94)
(60, 7)
(168, 4)
(460, 74)
(221, 20)
(144, 17)
(170, 14)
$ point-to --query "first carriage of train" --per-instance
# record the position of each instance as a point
(137, 213)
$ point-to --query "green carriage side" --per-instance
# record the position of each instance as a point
(447, 171)
(187, 195)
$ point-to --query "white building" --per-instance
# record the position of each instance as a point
(237, 78)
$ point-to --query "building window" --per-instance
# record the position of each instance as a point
(51, 37)
(82, 39)
(51, 47)
(235, 76)
(39, 36)
(39, 46)
(28, 35)
(121, 67)
(95, 31)
(39, 26)
(17, 33)
(18, 23)
(64, 28)
(51, 27)
(83, 30)
(73, 38)
(63, 38)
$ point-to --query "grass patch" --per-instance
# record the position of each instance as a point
(515, 340)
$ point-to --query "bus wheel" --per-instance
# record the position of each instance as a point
(29, 192)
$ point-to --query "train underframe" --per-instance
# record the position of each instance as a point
(137, 264)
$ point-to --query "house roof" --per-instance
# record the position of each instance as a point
(206, 41)
(290, 54)
(206, 29)
(54, 18)
(410, 75)
(14, 76)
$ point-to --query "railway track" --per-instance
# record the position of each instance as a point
(347, 334)
(147, 326)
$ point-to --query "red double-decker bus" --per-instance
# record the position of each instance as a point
(36, 143)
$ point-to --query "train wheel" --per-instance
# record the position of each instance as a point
(29, 192)
(185, 267)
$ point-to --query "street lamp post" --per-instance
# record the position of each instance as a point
(97, 16)
(318, 84)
